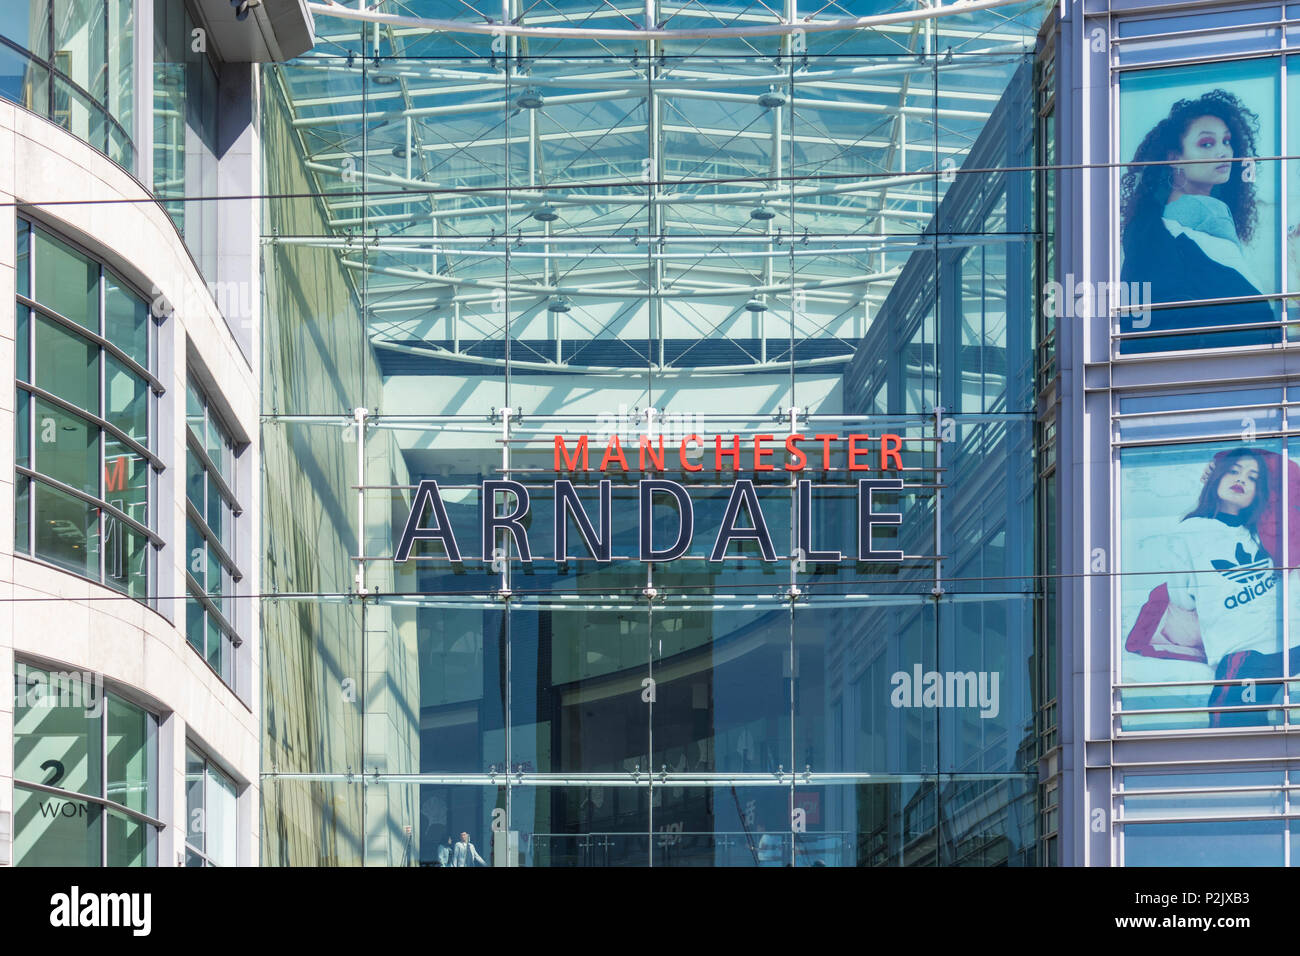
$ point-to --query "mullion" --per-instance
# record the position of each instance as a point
(103, 776)
(203, 805)
(31, 485)
(225, 645)
(207, 570)
(202, 443)
(151, 482)
(31, 404)
(103, 407)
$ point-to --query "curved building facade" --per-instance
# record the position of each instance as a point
(128, 457)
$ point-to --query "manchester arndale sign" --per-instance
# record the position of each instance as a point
(743, 519)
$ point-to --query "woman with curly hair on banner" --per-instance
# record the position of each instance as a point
(1188, 209)
(1220, 601)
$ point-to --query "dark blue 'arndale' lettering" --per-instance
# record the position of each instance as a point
(511, 522)
(868, 518)
(685, 519)
(742, 492)
(427, 495)
(805, 527)
(568, 503)
(651, 492)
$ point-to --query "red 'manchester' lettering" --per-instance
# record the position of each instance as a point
(889, 446)
(733, 453)
(115, 478)
(613, 452)
(562, 454)
(855, 451)
(646, 447)
(681, 452)
(826, 449)
(651, 449)
(792, 447)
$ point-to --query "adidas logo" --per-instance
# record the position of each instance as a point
(1254, 573)
(1247, 570)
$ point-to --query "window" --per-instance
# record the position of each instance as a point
(1207, 628)
(72, 62)
(1204, 202)
(86, 414)
(211, 509)
(85, 773)
(209, 812)
(185, 146)
(1236, 818)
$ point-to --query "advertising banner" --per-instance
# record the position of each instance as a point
(1204, 541)
(1199, 209)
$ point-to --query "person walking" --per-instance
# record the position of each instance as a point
(464, 854)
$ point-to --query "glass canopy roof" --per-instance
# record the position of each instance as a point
(733, 187)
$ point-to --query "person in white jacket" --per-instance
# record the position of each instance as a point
(464, 854)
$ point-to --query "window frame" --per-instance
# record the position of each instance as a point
(209, 768)
(115, 142)
(29, 474)
(1183, 405)
(214, 547)
(1275, 49)
(101, 799)
(1286, 786)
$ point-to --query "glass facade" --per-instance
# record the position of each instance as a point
(85, 773)
(86, 408)
(697, 435)
(72, 62)
(741, 266)
(185, 147)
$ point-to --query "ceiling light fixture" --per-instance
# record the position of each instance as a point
(531, 99)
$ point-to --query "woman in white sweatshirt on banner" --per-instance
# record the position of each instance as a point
(1218, 597)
